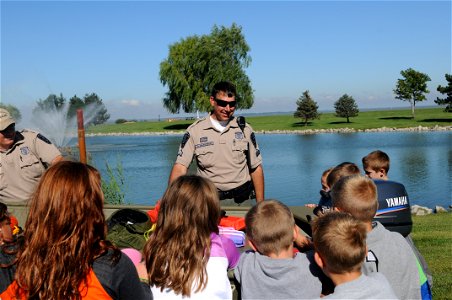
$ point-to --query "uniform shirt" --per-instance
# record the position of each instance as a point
(220, 156)
(23, 164)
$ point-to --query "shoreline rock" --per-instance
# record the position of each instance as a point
(418, 210)
(302, 132)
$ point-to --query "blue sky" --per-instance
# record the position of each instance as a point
(114, 48)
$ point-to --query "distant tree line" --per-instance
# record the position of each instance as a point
(412, 88)
(195, 63)
(90, 101)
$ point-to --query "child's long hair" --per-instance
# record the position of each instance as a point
(178, 251)
(64, 232)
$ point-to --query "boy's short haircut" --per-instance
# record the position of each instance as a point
(270, 227)
(341, 170)
(376, 160)
(356, 195)
(340, 240)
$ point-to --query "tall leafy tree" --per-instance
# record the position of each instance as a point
(14, 111)
(196, 63)
(446, 90)
(412, 87)
(346, 107)
(307, 108)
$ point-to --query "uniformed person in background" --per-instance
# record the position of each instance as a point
(24, 156)
(225, 150)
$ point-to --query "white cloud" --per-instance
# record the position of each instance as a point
(131, 102)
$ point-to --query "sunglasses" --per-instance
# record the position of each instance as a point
(223, 103)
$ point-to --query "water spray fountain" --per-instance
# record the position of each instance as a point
(60, 129)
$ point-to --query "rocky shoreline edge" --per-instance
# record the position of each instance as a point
(306, 132)
(418, 210)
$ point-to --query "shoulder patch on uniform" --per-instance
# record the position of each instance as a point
(253, 140)
(43, 138)
(184, 140)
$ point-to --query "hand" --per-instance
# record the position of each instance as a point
(302, 241)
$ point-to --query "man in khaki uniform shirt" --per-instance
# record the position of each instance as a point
(24, 156)
(220, 148)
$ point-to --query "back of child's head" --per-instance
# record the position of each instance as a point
(341, 170)
(340, 240)
(270, 227)
(356, 195)
(177, 252)
(190, 201)
(324, 177)
(376, 160)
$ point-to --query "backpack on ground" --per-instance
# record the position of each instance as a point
(128, 228)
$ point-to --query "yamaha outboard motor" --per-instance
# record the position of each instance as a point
(394, 211)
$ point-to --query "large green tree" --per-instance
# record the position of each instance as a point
(446, 90)
(14, 111)
(412, 87)
(346, 107)
(307, 108)
(196, 63)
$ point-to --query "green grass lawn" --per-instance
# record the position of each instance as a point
(401, 118)
(432, 235)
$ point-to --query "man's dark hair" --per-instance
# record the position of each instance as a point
(225, 87)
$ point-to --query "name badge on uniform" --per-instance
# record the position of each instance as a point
(24, 150)
(239, 135)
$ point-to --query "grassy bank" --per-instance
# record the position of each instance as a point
(426, 117)
(432, 235)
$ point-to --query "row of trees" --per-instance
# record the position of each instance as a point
(54, 103)
(89, 101)
(307, 108)
(411, 88)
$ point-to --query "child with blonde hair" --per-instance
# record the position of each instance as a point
(272, 270)
(340, 249)
(389, 253)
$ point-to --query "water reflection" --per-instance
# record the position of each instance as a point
(292, 163)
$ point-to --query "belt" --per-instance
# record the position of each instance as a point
(242, 192)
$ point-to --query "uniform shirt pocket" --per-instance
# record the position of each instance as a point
(31, 166)
(205, 157)
(239, 148)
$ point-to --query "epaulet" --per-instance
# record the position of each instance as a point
(197, 122)
(34, 134)
(28, 132)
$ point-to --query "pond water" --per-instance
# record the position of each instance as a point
(293, 163)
